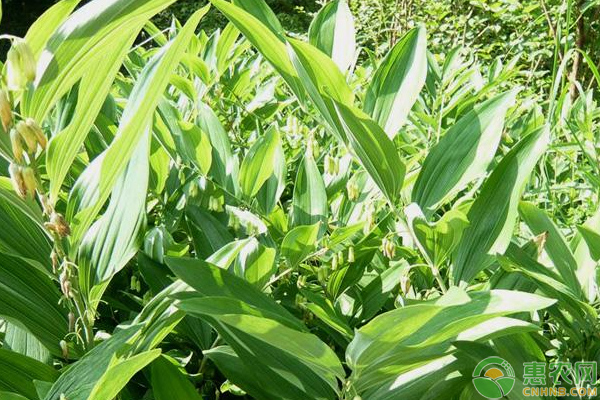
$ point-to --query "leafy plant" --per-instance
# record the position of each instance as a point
(246, 213)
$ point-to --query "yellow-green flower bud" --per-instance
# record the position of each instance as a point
(6, 115)
(65, 349)
(28, 136)
(17, 145)
(30, 182)
(353, 190)
(37, 130)
(351, 254)
(20, 65)
(16, 177)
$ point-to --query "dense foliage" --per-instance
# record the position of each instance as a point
(343, 213)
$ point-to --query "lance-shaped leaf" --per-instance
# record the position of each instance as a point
(17, 373)
(376, 152)
(94, 188)
(30, 299)
(298, 364)
(332, 31)
(398, 81)
(555, 246)
(168, 382)
(463, 154)
(399, 341)
(309, 204)
(299, 242)
(493, 215)
(258, 164)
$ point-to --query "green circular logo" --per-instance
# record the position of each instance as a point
(493, 378)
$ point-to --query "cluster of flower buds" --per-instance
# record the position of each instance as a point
(23, 180)
(65, 282)
(388, 248)
(353, 190)
(26, 137)
(214, 204)
(58, 225)
(323, 273)
(20, 65)
(6, 115)
(332, 165)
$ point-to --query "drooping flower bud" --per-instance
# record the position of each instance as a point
(16, 177)
(58, 225)
(353, 190)
(340, 257)
(37, 130)
(65, 349)
(20, 65)
(388, 248)
(334, 262)
(6, 115)
(351, 254)
(71, 322)
(30, 182)
(17, 145)
(28, 136)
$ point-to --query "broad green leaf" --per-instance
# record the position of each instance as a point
(22, 232)
(436, 241)
(75, 45)
(116, 236)
(21, 341)
(299, 243)
(323, 81)
(309, 204)
(493, 215)
(256, 263)
(168, 382)
(463, 154)
(299, 364)
(17, 373)
(41, 30)
(376, 152)
(261, 29)
(30, 299)
(556, 245)
(224, 168)
(118, 374)
(210, 280)
(270, 193)
(398, 81)
(195, 146)
(225, 46)
(332, 31)
(208, 233)
(95, 187)
(259, 162)
(399, 341)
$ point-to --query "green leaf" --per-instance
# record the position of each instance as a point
(41, 30)
(116, 237)
(556, 245)
(95, 187)
(21, 341)
(398, 81)
(17, 373)
(210, 280)
(168, 382)
(270, 193)
(436, 241)
(298, 364)
(299, 243)
(332, 31)
(376, 152)
(463, 154)
(258, 163)
(118, 374)
(30, 299)
(194, 146)
(309, 204)
(401, 340)
(493, 215)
